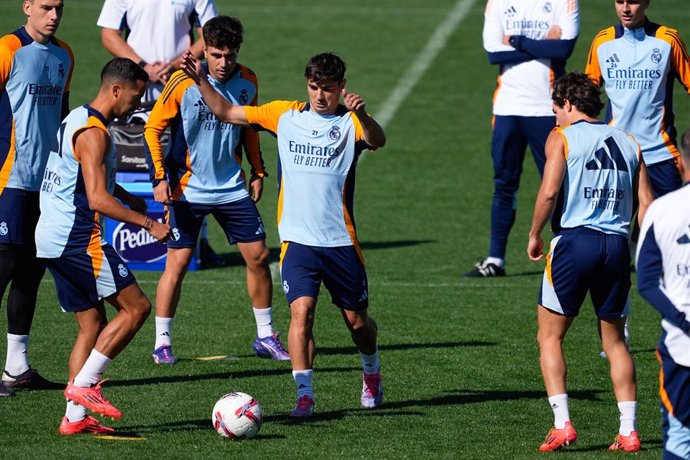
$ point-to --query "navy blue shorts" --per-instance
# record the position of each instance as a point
(83, 280)
(675, 410)
(665, 177)
(240, 220)
(341, 269)
(19, 212)
(582, 260)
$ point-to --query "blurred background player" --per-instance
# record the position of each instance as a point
(597, 169)
(637, 61)
(35, 73)
(78, 190)
(202, 175)
(663, 279)
(530, 41)
(319, 143)
(154, 33)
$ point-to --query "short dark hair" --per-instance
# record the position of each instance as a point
(223, 31)
(577, 88)
(122, 70)
(325, 66)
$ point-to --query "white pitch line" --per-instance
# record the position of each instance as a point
(423, 61)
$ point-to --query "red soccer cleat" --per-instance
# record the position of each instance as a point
(92, 399)
(89, 425)
(304, 408)
(630, 443)
(559, 438)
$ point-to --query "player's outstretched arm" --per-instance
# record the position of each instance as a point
(221, 108)
(373, 132)
(91, 147)
(554, 172)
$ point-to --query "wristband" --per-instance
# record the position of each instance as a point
(142, 63)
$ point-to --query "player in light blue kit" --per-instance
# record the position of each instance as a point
(319, 143)
(201, 173)
(78, 189)
(637, 61)
(663, 279)
(591, 174)
(35, 73)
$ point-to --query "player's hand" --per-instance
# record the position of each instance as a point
(554, 33)
(506, 40)
(153, 69)
(353, 102)
(164, 71)
(160, 231)
(192, 67)
(137, 203)
(535, 248)
(256, 188)
(162, 193)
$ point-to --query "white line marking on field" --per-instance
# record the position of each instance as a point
(423, 61)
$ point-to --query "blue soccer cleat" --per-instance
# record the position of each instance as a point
(270, 347)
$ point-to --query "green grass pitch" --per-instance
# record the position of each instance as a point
(460, 362)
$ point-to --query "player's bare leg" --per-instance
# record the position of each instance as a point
(167, 299)
(267, 344)
(133, 308)
(551, 332)
(624, 382)
(363, 331)
(302, 352)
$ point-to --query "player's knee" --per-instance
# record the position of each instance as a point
(140, 310)
(258, 258)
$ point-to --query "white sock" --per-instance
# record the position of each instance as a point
(264, 321)
(303, 382)
(628, 417)
(75, 412)
(163, 331)
(17, 358)
(559, 406)
(370, 363)
(496, 261)
(94, 366)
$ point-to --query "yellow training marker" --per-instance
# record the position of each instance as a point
(108, 437)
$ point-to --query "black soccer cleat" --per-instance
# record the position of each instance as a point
(484, 269)
(29, 380)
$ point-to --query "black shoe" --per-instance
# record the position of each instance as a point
(484, 269)
(5, 392)
(29, 380)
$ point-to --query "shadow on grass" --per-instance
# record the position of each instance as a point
(287, 370)
(459, 397)
(647, 444)
(235, 258)
(406, 346)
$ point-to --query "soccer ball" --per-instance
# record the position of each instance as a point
(237, 416)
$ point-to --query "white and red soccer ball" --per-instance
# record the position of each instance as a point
(237, 416)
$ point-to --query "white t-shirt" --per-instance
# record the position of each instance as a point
(159, 29)
(524, 88)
